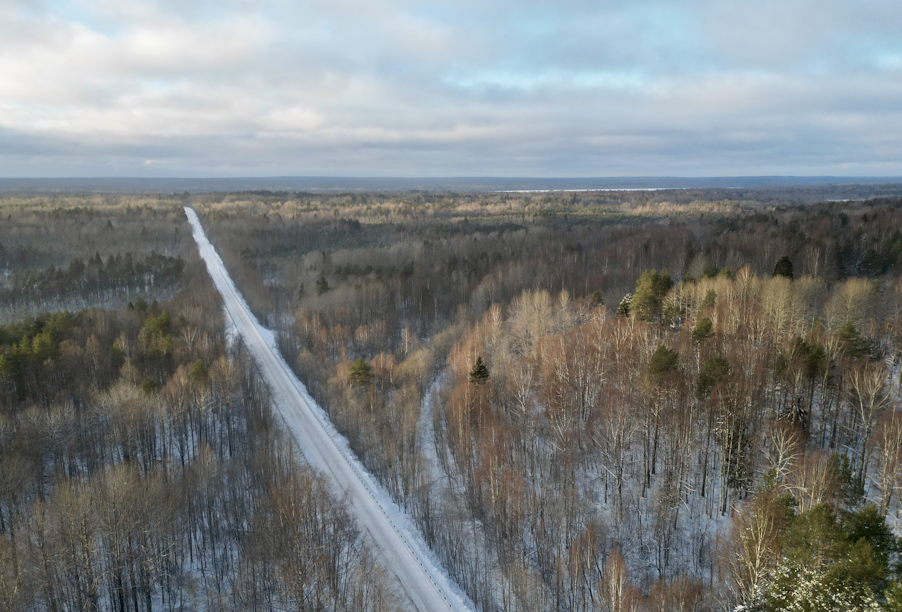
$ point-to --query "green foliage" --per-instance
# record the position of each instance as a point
(651, 288)
(894, 597)
(671, 315)
(881, 258)
(623, 309)
(199, 374)
(794, 588)
(43, 348)
(662, 362)
(851, 489)
(812, 358)
(148, 386)
(814, 539)
(156, 326)
(479, 373)
(117, 356)
(710, 300)
(58, 324)
(6, 368)
(360, 373)
(140, 305)
(595, 298)
(853, 343)
(703, 329)
(712, 372)
(97, 275)
(862, 567)
(155, 333)
(32, 342)
(783, 267)
(868, 525)
(815, 360)
(830, 564)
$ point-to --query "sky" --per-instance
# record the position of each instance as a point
(208, 88)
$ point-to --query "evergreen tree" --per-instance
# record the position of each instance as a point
(852, 342)
(623, 309)
(148, 386)
(117, 356)
(360, 373)
(783, 267)
(894, 597)
(662, 362)
(595, 298)
(479, 374)
(651, 288)
(199, 374)
(702, 329)
(712, 372)
(322, 285)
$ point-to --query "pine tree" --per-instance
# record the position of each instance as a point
(360, 373)
(651, 288)
(894, 597)
(783, 267)
(712, 372)
(662, 361)
(623, 310)
(198, 373)
(702, 329)
(479, 375)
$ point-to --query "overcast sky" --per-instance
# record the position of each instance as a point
(450, 88)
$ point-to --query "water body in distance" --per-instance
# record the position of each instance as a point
(446, 184)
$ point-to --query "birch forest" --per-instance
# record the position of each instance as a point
(650, 401)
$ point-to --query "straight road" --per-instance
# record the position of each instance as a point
(403, 551)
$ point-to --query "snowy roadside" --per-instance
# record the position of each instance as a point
(325, 449)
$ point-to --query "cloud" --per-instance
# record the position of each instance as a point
(395, 87)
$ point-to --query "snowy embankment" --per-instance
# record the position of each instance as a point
(403, 551)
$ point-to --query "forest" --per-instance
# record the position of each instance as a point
(141, 466)
(620, 401)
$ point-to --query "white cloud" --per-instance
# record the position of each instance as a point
(395, 87)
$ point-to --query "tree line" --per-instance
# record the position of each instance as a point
(142, 469)
(585, 414)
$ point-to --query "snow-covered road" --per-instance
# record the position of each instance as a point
(403, 551)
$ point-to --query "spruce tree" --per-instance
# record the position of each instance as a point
(479, 375)
(651, 288)
(360, 373)
(198, 373)
(702, 329)
(662, 361)
(783, 267)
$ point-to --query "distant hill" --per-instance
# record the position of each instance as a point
(345, 184)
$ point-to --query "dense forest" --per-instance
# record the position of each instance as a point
(608, 401)
(70, 253)
(645, 401)
(141, 467)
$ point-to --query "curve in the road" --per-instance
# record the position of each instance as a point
(425, 584)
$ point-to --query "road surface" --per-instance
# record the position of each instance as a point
(403, 551)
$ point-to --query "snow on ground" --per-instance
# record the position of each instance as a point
(403, 551)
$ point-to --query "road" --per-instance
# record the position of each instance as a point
(403, 551)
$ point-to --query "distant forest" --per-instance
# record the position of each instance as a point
(620, 401)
